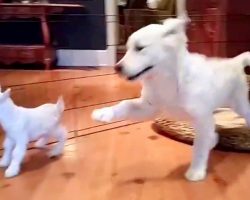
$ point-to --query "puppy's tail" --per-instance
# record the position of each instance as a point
(244, 58)
(60, 105)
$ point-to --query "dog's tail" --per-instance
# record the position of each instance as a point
(244, 58)
(60, 105)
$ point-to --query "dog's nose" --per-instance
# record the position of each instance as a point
(118, 68)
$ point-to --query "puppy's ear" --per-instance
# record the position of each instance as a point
(180, 20)
(186, 20)
(175, 25)
(6, 93)
(0, 88)
(181, 10)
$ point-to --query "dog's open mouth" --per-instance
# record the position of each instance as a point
(130, 78)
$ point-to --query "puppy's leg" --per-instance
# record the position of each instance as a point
(240, 104)
(135, 109)
(17, 158)
(8, 145)
(206, 138)
(41, 143)
(60, 134)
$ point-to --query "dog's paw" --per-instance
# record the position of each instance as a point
(215, 140)
(4, 163)
(41, 143)
(195, 175)
(12, 171)
(103, 115)
(55, 152)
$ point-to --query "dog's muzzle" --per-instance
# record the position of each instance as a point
(133, 77)
(119, 70)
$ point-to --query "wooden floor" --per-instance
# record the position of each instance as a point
(119, 161)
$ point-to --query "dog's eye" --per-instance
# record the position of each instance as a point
(171, 32)
(139, 48)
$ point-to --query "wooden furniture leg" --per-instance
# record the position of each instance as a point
(46, 40)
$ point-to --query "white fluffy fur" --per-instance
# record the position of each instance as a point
(22, 125)
(182, 85)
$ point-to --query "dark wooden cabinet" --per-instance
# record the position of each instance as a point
(219, 27)
(44, 53)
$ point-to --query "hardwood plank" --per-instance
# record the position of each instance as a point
(127, 163)
(77, 93)
(23, 77)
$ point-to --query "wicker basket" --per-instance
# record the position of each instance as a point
(234, 135)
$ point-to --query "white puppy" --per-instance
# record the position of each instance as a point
(180, 84)
(22, 125)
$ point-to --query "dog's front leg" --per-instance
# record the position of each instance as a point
(206, 138)
(135, 109)
(8, 145)
(17, 157)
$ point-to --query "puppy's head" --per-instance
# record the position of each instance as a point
(150, 47)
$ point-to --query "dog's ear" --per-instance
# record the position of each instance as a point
(186, 20)
(6, 93)
(181, 10)
(0, 88)
(175, 25)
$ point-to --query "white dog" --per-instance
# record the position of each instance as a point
(183, 85)
(22, 125)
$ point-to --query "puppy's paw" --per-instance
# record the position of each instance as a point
(12, 171)
(103, 115)
(55, 152)
(195, 175)
(4, 163)
(214, 140)
(41, 143)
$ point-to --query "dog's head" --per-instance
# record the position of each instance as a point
(151, 46)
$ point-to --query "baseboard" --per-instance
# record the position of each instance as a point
(89, 58)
